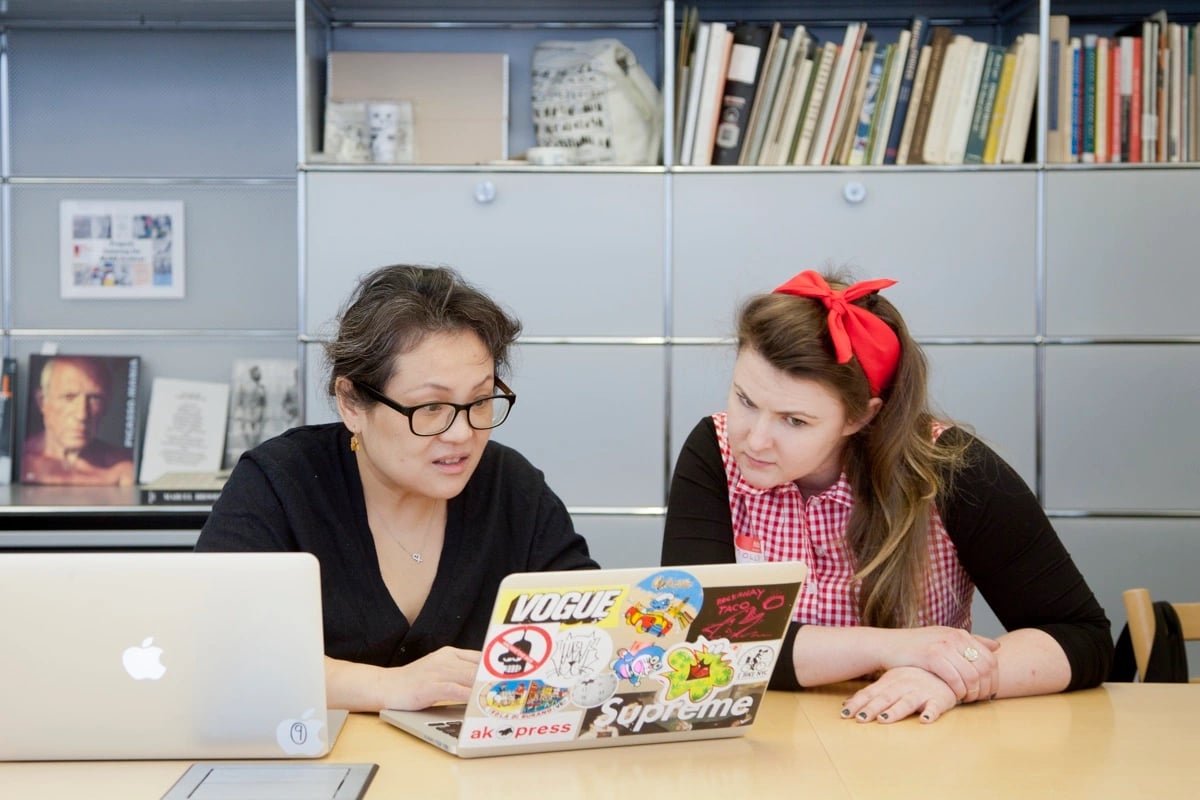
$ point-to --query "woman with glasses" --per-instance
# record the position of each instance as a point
(828, 453)
(414, 514)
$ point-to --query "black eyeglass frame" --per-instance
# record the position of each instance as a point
(408, 411)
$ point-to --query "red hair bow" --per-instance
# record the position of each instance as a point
(854, 330)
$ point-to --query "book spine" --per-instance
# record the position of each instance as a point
(764, 97)
(1088, 148)
(910, 119)
(881, 119)
(1135, 102)
(1102, 148)
(985, 103)
(862, 131)
(920, 35)
(797, 105)
(8, 418)
(816, 101)
(966, 103)
(1058, 108)
(991, 149)
(1114, 102)
(737, 103)
(836, 96)
(940, 39)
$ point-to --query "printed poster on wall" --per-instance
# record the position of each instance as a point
(121, 250)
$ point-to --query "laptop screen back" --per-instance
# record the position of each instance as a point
(161, 655)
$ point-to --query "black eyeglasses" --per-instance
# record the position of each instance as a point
(431, 419)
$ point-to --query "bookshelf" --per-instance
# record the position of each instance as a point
(1017, 278)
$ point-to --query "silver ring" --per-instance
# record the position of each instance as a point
(970, 653)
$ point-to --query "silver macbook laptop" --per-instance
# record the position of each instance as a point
(600, 658)
(162, 655)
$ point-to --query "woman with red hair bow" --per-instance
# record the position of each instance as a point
(828, 453)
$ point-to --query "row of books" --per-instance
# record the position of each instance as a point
(83, 427)
(1133, 97)
(751, 95)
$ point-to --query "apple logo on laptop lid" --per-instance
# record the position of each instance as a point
(143, 662)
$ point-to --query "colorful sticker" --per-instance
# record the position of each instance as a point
(747, 613)
(664, 602)
(696, 669)
(517, 651)
(566, 607)
(521, 698)
(638, 661)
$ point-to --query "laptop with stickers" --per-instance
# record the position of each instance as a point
(601, 658)
(169, 655)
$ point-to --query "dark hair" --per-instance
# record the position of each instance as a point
(893, 464)
(394, 308)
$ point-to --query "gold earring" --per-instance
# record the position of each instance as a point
(354, 443)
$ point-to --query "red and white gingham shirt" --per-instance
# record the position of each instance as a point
(776, 524)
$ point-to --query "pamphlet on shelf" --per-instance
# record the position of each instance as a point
(185, 427)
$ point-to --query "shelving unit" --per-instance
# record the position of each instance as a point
(1053, 300)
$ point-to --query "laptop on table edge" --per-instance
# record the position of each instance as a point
(601, 658)
(168, 655)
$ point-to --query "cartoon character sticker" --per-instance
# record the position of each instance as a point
(638, 661)
(697, 669)
(663, 603)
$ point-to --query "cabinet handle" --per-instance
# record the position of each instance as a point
(485, 192)
(854, 192)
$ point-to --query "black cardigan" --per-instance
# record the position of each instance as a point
(302, 491)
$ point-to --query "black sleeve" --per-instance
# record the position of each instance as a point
(1016, 560)
(699, 529)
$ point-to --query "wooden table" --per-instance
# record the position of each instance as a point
(1118, 741)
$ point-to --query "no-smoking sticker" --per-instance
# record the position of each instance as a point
(518, 651)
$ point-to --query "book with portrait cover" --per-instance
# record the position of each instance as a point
(8, 418)
(264, 401)
(82, 425)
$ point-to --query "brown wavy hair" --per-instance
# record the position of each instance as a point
(894, 467)
(393, 310)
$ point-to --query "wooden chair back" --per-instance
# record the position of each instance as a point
(1139, 608)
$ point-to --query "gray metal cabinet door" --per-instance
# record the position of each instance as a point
(1121, 252)
(1121, 427)
(572, 254)
(961, 244)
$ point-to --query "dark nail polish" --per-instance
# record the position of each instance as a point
(883, 715)
(862, 715)
(845, 712)
(925, 717)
